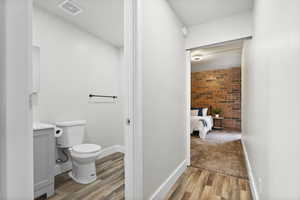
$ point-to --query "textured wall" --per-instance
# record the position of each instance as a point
(219, 89)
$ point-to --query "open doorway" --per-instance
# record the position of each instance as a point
(81, 100)
(214, 136)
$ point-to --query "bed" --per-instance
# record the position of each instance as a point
(202, 123)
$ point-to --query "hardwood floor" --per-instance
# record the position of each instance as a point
(108, 186)
(208, 183)
(197, 183)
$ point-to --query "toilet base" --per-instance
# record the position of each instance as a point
(83, 173)
(82, 181)
(84, 167)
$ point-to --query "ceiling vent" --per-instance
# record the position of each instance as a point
(70, 7)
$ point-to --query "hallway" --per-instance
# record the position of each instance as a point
(217, 171)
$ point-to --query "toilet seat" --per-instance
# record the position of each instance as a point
(86, 148)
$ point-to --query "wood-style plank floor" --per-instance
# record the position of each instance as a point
(108, 186)
(208, 184)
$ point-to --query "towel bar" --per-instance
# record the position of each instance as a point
(104, 96)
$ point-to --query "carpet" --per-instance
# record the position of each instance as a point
(222, 156)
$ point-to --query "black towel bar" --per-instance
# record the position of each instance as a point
(104, 96)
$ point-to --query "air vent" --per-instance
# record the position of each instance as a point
(70, 7)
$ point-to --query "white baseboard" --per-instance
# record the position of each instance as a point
(111, 150)
(250, 174)
(164, 188)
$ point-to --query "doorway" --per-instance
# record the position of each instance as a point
(117, 94)
(214, 113)
(80, 86)
(18, 82)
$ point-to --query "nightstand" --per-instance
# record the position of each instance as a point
(218, 123)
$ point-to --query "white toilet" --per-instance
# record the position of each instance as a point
(83, 156)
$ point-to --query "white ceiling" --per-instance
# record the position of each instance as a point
(194, 12)
(218, 48)
(223, 60)
(214, 52)
(103, 18)
(221, 56)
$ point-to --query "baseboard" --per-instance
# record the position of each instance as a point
(250, 174)
(111, 150)
(163, 190)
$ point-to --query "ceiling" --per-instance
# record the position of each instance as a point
(218, 48)
(214, 51)
(194, 12)
(102, 18)
(221, 56)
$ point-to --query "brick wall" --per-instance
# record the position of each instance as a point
(219, 89)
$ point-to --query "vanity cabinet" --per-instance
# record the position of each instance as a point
(44, 160)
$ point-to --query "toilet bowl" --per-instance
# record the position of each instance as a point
(83, 162)
(83, 156)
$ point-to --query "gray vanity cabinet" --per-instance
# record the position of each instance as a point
(44, 161)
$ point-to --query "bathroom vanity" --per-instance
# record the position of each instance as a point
(44, 159)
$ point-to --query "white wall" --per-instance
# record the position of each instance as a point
(222, 60)
(221, 30)
(16, 129)
(271, 99)
(2, 99)
(74, 64)
(163, 65)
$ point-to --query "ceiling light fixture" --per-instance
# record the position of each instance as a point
(197, 58)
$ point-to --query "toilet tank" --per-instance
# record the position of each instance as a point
(73, 133)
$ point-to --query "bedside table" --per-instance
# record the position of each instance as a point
(218, 123)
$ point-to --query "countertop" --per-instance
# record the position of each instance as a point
(42, 126)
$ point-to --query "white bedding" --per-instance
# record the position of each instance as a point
(197, 125)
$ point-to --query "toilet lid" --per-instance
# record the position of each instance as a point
(86, 148)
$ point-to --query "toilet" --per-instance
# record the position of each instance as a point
(83, 156)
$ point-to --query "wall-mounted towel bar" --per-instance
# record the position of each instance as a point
(103, 96)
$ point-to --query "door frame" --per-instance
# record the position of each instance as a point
(16, 157)
(188, 106)
(15, 10)
(133, 135)
(188, 89)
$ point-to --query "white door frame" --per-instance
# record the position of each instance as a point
(133, 136)
(189, 92)
(21, 12)
(188, 107)
(16, 157)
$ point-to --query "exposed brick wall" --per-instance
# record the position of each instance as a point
(219, 89)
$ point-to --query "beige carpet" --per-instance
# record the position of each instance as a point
(221, 156)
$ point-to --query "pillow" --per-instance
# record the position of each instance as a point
(194, 112)
(199, 111)
(204, 112)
